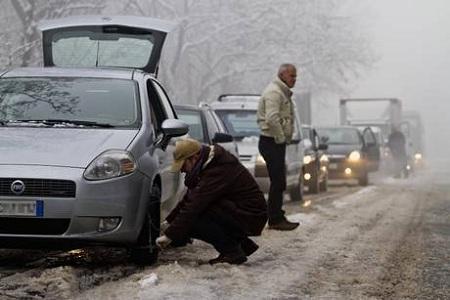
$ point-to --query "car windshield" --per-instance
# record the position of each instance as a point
(194, 120)
(82, 101)
(346, 136)
(239, 123)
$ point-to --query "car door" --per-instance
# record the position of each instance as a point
(160, 110)
(371, 148)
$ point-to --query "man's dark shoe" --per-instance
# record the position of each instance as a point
(234, 257)
(249, 246)
(284, 225)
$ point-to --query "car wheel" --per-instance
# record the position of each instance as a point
(314, 184)
(145, 252)
(296, 192)
(363, 179)
(324, 184)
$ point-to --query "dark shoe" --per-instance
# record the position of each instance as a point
(234, 257)
(284, 225)
(249, 246)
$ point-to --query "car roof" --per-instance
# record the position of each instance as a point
(72, 72)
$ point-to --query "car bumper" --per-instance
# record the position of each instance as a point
(77, 218)
(344, 169)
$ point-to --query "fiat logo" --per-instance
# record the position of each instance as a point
(18, 187)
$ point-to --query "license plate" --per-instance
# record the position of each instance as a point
(332, 166)
(22, 208)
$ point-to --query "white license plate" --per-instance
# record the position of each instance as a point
(332, 166)
(22, 208)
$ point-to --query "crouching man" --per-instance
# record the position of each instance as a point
(223, 204)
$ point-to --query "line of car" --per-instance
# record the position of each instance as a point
(87, 140)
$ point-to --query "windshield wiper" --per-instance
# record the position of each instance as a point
(52, 122)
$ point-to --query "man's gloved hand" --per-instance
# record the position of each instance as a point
(164, 226)
(163, 241)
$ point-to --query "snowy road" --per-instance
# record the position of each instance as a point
(389, 240)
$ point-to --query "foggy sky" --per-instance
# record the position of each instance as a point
(412, 41)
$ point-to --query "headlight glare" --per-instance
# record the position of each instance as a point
(354, 156)
(307, 159)
(260, 160)
(324, 158)
(110, 164)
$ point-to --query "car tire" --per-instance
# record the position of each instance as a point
(324, 184)
(145, 252)
(314, 184)
(296, 192)
(363, 179)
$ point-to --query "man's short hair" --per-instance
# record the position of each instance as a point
(284, 67)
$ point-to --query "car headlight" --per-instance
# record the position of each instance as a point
(418, 156)
(324, 158)
(110, 164)
(307, 159)
(260, 160)
(354, 156)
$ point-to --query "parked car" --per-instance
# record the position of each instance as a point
(86, 152)
(238, 113)
(315, 161)
(352, 153)
(205, 126)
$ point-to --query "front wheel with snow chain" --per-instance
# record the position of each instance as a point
(145, 251)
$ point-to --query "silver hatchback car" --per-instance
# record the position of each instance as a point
(86, 152)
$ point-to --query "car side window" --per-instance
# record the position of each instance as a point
(164, 100)
(157, 109)
(211, 124)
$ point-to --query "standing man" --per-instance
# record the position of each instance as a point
(223, 205)
(397, 146)
(275, 118)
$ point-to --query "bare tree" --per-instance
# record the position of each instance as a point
(30, 12)
(236, 46)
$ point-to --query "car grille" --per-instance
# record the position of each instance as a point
(245, 157)
(33, 226)
(40, 187)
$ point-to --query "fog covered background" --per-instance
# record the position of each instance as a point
(342, 48)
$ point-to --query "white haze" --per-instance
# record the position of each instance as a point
(412, 40)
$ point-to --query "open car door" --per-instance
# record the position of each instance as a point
(96, 41)
(372, 148)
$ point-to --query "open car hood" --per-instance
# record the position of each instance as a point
(99, 41)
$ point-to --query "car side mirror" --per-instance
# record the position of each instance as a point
(323, 147)
(171, 128)
(295, 141)
(324, 139)
(220, 137)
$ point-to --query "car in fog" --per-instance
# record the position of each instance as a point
(315, 161)
(352, 154)
(86, 152)
(238, 113)
(205, 126)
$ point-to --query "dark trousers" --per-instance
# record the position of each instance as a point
(221, 231)
(274, 155)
